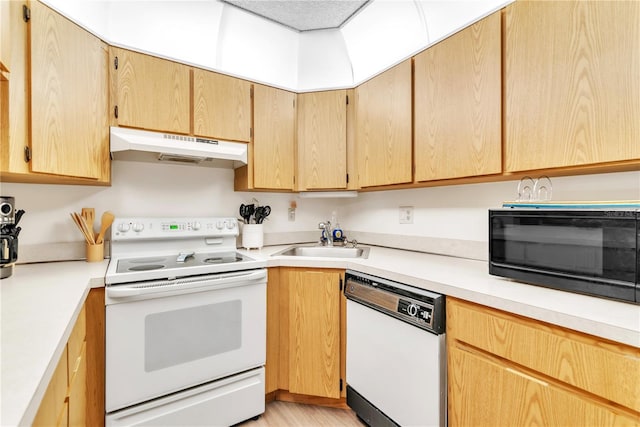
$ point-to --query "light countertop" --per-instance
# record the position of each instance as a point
(470, 280)
(41, 302)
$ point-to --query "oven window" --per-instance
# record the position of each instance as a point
(181, 336)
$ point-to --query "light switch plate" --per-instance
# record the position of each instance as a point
(406, 214)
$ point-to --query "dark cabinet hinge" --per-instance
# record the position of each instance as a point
(347, 99)
(26, 13)
(341, 291)
(340, 384)
(347, 178)
(115, 111)
(27, 154)
(115, 62)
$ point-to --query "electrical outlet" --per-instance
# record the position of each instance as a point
(406, 214)
(292, 214)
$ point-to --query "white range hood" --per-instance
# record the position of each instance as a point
(147, 146)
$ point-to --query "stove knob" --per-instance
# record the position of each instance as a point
(137, 227)
(196, 226)
(412, 310)
(124, 227)
(230, 224)
(219, 225)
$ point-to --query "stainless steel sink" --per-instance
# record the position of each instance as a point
(324, 252)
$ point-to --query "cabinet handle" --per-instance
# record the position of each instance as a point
(26, 13)
(115, 62)
(529, 377)
(27, 154)
(77, 366)
(115, 111)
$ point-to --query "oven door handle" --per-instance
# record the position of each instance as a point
(187, 284)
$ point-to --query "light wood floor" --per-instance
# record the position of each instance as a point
(286, 414)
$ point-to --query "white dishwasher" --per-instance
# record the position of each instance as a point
(396, 363)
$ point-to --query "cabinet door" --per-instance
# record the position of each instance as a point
(322, 140)
(78, 389)
(151, 93)
(5, 44)
(457, 86)
(273, 331)
(69, 101)
(572, 86)
(314, 332)
(383, 128)
(221, 106)
(52, 410)
(584, 362)
(13, 90)
(273, 138)
(485, 392)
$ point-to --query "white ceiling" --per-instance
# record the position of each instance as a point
(303, 15)
(215, 35)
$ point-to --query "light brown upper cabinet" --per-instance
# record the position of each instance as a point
(221, 106)
(457, 117)
(58, 98)
(5, 36)
(383, 128)
(151, 93)
(322, 140)
(274, 138)
(572, 86)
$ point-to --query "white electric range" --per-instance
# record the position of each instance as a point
(185, 324)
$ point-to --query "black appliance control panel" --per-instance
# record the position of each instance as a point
(416, 306)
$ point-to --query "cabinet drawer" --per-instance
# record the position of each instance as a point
(604, 368)
(77, 338)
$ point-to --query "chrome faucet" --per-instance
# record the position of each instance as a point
(328, 230)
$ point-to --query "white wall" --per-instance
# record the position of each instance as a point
(216, 36)
(460, 211)
(139, 189)
(146, 189)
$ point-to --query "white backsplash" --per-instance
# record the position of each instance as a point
(444, 217)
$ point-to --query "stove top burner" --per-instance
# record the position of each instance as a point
(222, 259)
(130, 265)
(146, 267)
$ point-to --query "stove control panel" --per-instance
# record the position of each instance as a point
(162, 228)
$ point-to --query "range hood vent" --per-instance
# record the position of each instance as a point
(146, 146)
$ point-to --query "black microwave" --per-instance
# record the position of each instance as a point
(589, 251)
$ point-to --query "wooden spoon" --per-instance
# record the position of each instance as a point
(82, 225)
(89, 215)
(107, 220)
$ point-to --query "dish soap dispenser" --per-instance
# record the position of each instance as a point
(338, 235)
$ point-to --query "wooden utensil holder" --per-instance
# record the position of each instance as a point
(95, 253)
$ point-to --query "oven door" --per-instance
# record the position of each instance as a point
(165, 336)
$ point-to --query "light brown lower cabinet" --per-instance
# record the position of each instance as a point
(305, 334)
(509, 370)
(75, 394)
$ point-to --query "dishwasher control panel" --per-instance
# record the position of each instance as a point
(421, 313)
(416, 306)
